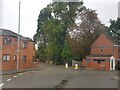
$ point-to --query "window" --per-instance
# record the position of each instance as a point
(24, 58)
(24, 44)
(7, 41)
(6, 57)
(99, 61)
(15, 58)
(101, 50)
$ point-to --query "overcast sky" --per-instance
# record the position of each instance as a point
(106, 9)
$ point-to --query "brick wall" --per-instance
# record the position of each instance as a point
(94, 65)
(12, 50)
(116, 52)
(102, 46)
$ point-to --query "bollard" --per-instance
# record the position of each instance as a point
(76, 66)
(66, 65)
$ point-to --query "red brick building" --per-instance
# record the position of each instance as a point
(102, 50)
(9, 54)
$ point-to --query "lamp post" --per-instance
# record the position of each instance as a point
(18, 50)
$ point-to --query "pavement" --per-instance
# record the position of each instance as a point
(21, 70)
(40, 67)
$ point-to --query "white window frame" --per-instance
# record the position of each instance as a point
(24, 45)
(6, 57)
(15, 58)
(7, 40)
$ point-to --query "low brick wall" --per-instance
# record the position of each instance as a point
(95, 65)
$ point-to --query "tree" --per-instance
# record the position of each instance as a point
(55, 36)
(59, 36)
(40, 38)
(54, 22)
(86, 32)
(66, 52)
(114, 29)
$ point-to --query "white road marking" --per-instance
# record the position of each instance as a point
(14, 76)
(20, 73)
(27, 72)
(1, 84)
(8, 79)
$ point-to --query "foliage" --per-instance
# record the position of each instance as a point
(114, 29)
(86, 33)
(66, 53)
(55, 36)
(55, 31)
(54, 21)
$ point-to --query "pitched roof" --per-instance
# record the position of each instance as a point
(114, 40)
(5, 32)
(110, 38)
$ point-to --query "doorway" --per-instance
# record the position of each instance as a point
(112, 64)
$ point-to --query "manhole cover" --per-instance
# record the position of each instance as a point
(62, 84)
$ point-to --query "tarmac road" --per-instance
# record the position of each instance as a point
(56, 76)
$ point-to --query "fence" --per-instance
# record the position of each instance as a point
(76, 62)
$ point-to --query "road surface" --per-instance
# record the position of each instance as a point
(56, 76)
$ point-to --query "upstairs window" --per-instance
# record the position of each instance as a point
(6, 57)
(101, 50)
(24, 45)
(7, 41)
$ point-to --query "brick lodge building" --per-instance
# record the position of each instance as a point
(104, 54)
(9, 54)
